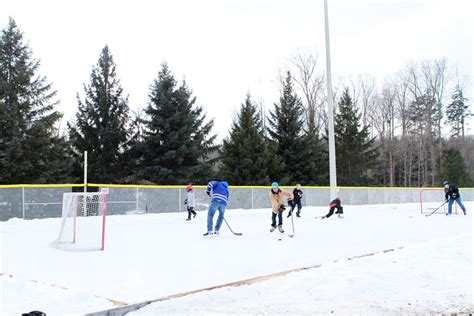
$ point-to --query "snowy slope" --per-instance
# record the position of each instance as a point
(155, 255)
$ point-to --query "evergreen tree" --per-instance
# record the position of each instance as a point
(101, 125)
(316, 158)
(453, 168)
(245, 154)
(31, 149)
(355, 153)
(177, 140)
(286, 131)
(457, 111)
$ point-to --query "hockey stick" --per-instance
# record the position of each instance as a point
(292, 226)
(237, 234)
(436, 209)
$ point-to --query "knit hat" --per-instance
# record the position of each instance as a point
(275, 185)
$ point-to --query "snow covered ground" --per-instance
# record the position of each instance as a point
(426, 266)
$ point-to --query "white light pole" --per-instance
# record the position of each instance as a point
(332, 147)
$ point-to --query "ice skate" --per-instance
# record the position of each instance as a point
(208, 234)
(280, 228)
(272, 228)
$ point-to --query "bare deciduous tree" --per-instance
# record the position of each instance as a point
(311, 83)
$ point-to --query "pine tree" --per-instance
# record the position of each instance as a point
(31, 149)
(286, 131)
(177, 140)
(245, 156)
(457, 111)
(316, 156)
(355, 152)
(101, 126)
(453, 168)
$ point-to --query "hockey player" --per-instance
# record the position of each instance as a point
(451, 194)
(190, 202)
(219, 200)
(335, 204)
(278, 205)
(296, 202)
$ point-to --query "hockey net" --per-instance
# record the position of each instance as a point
(432, 199)
(83, 222)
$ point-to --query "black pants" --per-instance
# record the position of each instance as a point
(191, 211)
(280, 218)
(295, 204)
(331, 211)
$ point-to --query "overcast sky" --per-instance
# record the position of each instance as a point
(223, 49)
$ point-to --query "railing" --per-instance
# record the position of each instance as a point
(42, 201)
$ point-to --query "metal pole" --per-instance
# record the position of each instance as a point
(332, 147)
(23, 202)
(136, 203)
(85, 171)
(84, 202)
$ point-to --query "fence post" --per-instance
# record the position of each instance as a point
(23, 201)
(252, 198)
(136, 204)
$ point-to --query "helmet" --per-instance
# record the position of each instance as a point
(275, 185)
(189, 187)
(445, 182)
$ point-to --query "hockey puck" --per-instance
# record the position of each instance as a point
(279, 239)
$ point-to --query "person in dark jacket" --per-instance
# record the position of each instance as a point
(219, 200)
(335, 204)
(296, 202)
(451, 194)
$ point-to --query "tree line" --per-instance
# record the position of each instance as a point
(388, 136)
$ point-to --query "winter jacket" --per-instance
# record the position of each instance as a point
(277, 199)
(220, 191)
(335, 203)
(452, 192)
(297, 195)
(191, 201)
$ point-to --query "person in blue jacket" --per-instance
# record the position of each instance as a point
(219, 193)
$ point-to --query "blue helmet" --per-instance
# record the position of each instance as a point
(445, 182)
(275, 185)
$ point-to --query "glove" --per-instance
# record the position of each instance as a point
(185, 201)
(208, 193)
(281, 208)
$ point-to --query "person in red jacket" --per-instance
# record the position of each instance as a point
(335, 204)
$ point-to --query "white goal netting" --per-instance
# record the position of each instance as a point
(83, 222)
(432, 200)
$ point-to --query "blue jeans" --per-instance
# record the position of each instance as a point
(210, 215)
(451, 202)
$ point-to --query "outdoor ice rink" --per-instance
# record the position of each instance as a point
(379, 259)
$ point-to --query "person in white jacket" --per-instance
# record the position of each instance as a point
(190, 202)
